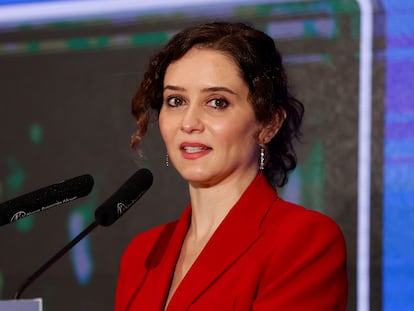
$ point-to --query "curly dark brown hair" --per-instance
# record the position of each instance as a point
(261, 67)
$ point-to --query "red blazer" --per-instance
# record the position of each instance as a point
(267, 254)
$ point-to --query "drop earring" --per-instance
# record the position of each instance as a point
(262, 158)
(167, 160)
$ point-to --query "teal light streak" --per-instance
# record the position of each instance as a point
(313, 175)
(14, 184)
(25, 224)
(16, 178)
(36, 134)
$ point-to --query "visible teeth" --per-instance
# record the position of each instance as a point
(193, 149)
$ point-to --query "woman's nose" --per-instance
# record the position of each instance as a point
(192, 119)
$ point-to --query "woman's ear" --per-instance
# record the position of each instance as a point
(270, 130)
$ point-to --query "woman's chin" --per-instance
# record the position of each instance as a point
(197, 177)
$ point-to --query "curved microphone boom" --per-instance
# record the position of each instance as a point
(105, 215)
(45, 198)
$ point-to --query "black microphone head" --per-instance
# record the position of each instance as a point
(80, 186)
(124, 198)
(44, 198)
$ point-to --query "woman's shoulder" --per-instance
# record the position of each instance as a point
(305, 258)
(296, 220)
(300, 235)
(300, 213)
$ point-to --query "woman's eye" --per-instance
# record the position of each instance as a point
(174, 101)
(218, 103)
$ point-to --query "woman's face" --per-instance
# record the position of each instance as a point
(206, 121)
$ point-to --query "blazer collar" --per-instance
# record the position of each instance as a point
(238, 230)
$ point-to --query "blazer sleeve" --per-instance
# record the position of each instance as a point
(307, 268)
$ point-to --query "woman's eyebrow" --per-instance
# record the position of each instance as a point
(218, 89)
(173, 88)
(207, 89)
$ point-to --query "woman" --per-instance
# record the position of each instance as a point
(228, 122)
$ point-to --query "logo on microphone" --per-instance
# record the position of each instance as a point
(18, 215)
(121, 208)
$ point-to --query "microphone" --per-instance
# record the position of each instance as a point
(124, 198)
(105, 215)
(45, 198)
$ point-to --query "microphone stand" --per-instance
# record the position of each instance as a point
(55, 258)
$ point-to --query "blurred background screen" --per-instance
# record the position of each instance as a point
(68, 71)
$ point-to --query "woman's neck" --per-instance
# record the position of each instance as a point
(210, 205)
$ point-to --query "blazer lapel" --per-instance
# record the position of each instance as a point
(237, 232)
(160, 263)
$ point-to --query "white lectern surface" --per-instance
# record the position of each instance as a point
(21, 305)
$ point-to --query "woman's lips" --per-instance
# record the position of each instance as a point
(193, 151)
